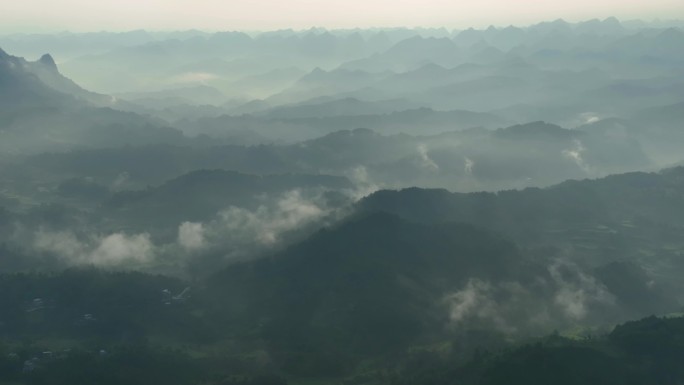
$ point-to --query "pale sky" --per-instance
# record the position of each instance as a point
(119, 15)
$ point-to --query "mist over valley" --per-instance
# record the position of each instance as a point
(500, 205)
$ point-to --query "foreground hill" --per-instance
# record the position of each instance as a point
(90, 326)
(369, 285)
(407, 296)
(633, 217)
(377, 283)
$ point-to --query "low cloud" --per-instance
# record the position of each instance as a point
(589, 118)
(119, 248)
(561, 299)
(120, 180)
(110, 250)
(426, 161)
(468, 166)
(475, 304)
(363, 183)
(191, 235)
(238, 232)
(234, 232)
(266, 224)
(577, 292)
(575, 154)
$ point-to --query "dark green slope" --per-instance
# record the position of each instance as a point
(370, 285)
(648, 351)
(653, 198)
(135, 336)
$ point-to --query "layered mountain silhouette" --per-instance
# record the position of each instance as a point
(42, 109)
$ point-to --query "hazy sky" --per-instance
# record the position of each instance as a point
(95, 15)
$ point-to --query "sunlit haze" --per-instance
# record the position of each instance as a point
(88, 15)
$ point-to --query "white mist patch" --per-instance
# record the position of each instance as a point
(565, 297)
(121, 179)
(292, 211)
(191, 235)
(476, 304)
(62, 243)
(426, 161)
(471, 300)
(240, 232)
(577, 291)
(110, 250)
(265, 224)
(119, 248)
(362, 181)
(589, 118)
(468, 165)
(575, 154)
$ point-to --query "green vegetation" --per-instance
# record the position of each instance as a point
(261, 209)
(41, 344)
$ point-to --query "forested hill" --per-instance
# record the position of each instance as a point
(135, 333)
(618, 202)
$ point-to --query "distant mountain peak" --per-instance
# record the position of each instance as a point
(316, 74)
(430, 67)
(673, 34)
(48, 61)
(536, 130)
